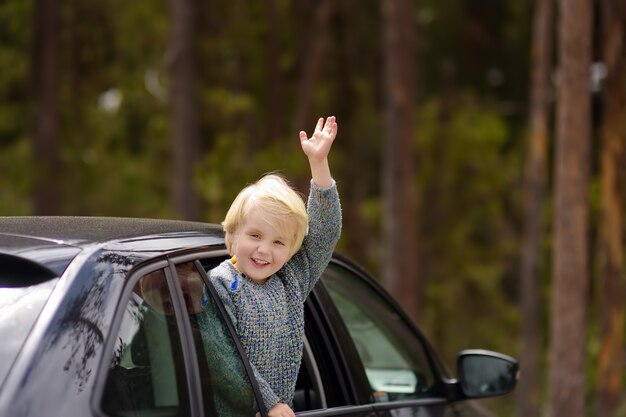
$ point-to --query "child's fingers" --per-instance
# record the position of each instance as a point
(319, 125)
(331, 126)
(331, 130)
(303, 136)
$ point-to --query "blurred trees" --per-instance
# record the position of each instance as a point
(45, 89)
(146, 122)
(182, 55)
(534, 187)
(399, 32)
(610, 375)
(566, 379)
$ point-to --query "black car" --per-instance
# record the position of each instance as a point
(116, 317)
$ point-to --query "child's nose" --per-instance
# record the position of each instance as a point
(263, 247)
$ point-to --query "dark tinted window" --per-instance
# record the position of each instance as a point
(146, 375)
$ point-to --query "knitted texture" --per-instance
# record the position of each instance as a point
(269, 317)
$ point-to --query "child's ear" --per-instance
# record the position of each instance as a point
(230, 243)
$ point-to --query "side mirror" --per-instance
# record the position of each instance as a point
(483, 373)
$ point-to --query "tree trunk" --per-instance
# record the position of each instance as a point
(399, 56)
(275, 80)
(311, 64)
(343, 100)
(570, 261)
(610, 359)
(45, 73)
(535, 179)
(185, 134)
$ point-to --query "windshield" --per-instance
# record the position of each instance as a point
(19, 308)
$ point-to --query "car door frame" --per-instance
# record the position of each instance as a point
(168, 264)
(345, 344)
(325, 341)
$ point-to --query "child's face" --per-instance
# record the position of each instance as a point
(261, 248)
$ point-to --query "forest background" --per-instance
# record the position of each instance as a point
(479, 156)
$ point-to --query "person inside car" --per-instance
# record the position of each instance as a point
(153, 289)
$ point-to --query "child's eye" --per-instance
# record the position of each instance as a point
(278, 242)
(255, 235)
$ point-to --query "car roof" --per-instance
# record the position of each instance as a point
(82, 231)
(53, 241)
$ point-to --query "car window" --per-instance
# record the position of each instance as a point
(392, 355)
(19, 308)
(146, 376)
(227, 391)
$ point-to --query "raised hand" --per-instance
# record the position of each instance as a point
(318, 145)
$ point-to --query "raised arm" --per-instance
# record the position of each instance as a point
(317, 147)
(323, 207)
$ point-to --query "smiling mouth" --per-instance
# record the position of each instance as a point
(259, 262)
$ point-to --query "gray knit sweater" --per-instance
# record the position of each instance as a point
(269, 317)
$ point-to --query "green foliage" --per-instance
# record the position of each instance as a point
(15, 130)
(467, 176)
(15, 38)
(124, 168)
(16, 179)
(113, 110)
(465, 172)
(228, 168)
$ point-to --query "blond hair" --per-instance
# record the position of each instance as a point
(279, 204)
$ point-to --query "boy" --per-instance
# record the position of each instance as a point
(275, 263)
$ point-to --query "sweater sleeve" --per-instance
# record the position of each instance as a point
(223, 284)
(324, 210)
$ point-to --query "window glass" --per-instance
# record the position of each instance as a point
(146, 375)
(392, 355)
(227, 391)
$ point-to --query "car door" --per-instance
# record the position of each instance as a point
(395, 364)
(174, 354)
